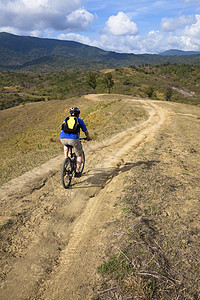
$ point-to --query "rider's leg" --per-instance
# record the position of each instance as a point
(65, 151)
(78, 163)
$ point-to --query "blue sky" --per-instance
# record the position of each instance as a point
(142, 26)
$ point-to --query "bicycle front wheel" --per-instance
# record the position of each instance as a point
(66, 173)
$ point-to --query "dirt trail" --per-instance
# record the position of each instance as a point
(55, 238)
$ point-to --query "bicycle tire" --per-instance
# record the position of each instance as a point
(83, 163)
(66, 172)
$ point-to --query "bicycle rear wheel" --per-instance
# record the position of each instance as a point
(83, 163)
(66, 173)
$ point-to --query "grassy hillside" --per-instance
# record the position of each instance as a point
(30, 133)
(19, 88)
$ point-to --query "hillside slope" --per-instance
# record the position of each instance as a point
(179, 52)
(19, 88)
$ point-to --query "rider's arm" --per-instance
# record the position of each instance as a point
(87, 135)
(84, 128)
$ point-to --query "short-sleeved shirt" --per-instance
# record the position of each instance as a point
(82, 126)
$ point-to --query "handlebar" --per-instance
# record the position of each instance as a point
(85, 139)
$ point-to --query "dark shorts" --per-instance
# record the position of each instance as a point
(76, 143)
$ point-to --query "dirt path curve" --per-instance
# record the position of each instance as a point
(56, 238)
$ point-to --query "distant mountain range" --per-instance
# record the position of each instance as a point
(179, 52)
(45, 55)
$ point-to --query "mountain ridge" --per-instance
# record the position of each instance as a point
(30, 53)
(178, 52)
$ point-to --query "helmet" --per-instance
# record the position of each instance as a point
(74, 111)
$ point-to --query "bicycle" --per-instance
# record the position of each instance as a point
(69, 167)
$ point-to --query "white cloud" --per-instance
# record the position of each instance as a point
(10, 30)
(175, 33)
(155, 41)
(194, 30)
(38, 6)
(172, 24)
(133, 44)
(191, 34)
(79, 18)
(76, 37)
(47, 18)
(121, 25)
(41, 15)
(36, 33)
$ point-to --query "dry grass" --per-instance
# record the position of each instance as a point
(154, 252)
(30, 133)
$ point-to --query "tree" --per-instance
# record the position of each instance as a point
(168, 94)
(108, 80)
(149, 91)
(92, 80)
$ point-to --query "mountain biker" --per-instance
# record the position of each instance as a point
(73, 139)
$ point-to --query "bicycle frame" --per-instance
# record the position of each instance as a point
(72, 157)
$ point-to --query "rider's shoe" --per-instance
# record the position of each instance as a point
(77, 174)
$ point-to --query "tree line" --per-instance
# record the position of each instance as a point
(109, 83)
